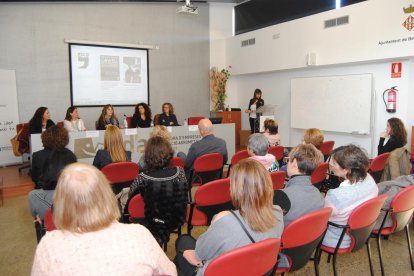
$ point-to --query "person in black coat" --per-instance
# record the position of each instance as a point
(396, 133)
(142, 116)
(107, 118)
(167, 118)
(40, 121)
(255, 103)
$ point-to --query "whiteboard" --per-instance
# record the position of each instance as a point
(334, 103)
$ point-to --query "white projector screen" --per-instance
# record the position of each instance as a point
(103, 75)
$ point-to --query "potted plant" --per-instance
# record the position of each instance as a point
(218, 81)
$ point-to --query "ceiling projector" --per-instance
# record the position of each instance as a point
(187, 8)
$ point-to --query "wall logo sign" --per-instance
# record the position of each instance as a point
(409, 22)
(396, 69)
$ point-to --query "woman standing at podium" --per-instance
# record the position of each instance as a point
(254, 104)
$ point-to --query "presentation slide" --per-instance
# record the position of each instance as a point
(103, 75)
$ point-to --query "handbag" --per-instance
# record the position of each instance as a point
(15, 142)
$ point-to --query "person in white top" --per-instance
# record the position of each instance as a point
(72, 121)
(89, 240)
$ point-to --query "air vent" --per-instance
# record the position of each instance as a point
(248, 42)
(336, 21)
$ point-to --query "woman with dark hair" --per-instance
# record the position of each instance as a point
(107, 118)
(350, 163)
(163, 188)
(54, 138)
(40, 121)
(114, 149)
(251, 193)
(167, 117)
(271, 132)
(72, 121)
(142, 116)
(254, 104)
(42, 199)
(396, 134)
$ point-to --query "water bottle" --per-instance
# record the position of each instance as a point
(125, 121)
(185, 122)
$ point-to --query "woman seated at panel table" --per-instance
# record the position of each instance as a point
(107, 118)
(142, 116)
(251, 192)
(350, 163)
(40, 121)
(89, 239)
(114, 149)
(167, 117)
(72, 121)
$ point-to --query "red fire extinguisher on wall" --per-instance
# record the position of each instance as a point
(391, 102)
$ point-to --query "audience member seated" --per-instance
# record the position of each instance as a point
(315, 137)
(42, 199)
(114, 149)
(208, 144)
(40, 121)
(107, 118)
(299, 193)
(257, 148)
(54, 138)
(251, 192)
(160, 131)
(72, 121)
(167, 117)
(89, 239)
(271, 132)
(142, 116)
(160, 182)
(391, 188)
(395, 133)
(350, 163)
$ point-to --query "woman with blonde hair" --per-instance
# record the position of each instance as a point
(89, 237)
(251, 192)
(313, 136)
(167, 117)
(107, 118)
(114, 149)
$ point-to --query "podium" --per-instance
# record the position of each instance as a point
(262, 113)
(231, 117)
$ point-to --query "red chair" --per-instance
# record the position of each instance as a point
(24, 142)
(360, 224)
(136, 209)
(206, 168)
(319, 174)
(177, 162)
(240, 155)
(209, 200)
(60, 124)
(48, 220)
(278, 179)
(250, 260)
(277, 151)
(327, 148)
(194, 120)
(400, 211)
(129, 121)
(298, 247)
(377, 166)
(120, 174)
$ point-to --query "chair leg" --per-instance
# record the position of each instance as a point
(369, 258)
(380, 254)
(407, 232)
(316, 261)
(319, 256)
(334, 264)
(329, 258)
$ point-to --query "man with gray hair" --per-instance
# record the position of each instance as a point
(208, 144)
(257, 147)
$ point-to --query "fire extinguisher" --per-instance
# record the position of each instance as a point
(391, 103)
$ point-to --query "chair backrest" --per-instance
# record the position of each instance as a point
(213, 198)
(278, 179)
(208, 167)
(120, 174)
(299, 246)
(129, 121)
(326, 148)
(402, 206)
(240, 155)
(377, 166)
(60, 124)
(319, 174)
(177, 162)
(250, 260)
(277, 151)
(24, 138)
(136, 208)
(48, 220)
(362, 220)
(194, 120)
